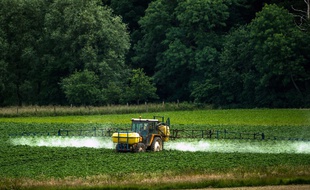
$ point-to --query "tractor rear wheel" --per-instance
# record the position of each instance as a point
(117, 148)
(140, 147)
(157, 144)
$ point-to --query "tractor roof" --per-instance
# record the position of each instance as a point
(144, 120)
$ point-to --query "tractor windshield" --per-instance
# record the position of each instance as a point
(143, 125)
(138, 126)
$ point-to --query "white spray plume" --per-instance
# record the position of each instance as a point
(192, 145)
(242, 146)
(90, 142)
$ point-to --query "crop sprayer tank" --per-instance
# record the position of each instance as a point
(164, 130)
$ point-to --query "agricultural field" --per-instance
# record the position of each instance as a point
(70, 162)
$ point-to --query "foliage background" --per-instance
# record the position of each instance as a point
(228, 53)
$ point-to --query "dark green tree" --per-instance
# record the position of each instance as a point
(3, 67)
(140, 87)
(154, 25)
(237, 73)
(83, 35)
(82, 88)
(181, 40)
(114, 93)
(45, 41)
(266, 63)
(280, 57)
(21, 24)
(131, 11)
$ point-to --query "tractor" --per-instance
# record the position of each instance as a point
(145, 134)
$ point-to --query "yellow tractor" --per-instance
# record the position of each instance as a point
(145, 134)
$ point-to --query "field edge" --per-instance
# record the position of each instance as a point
(138, 181)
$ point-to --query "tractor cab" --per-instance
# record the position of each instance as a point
(144, 127)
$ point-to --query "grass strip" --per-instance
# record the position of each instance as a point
(160, 182)
(238, 117)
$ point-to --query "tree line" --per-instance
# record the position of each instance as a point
(229, 53)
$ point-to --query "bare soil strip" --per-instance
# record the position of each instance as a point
(278, 187)
(136, 179)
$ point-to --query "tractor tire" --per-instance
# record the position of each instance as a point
(140, 147)
(116, 148)
(157, 144)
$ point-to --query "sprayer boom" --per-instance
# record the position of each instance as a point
(150, 134)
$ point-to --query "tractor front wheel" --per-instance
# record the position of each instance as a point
(157, 144)
(140, 147)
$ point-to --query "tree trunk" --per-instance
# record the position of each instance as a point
(19, 96)
(295, 85)
(308, 8)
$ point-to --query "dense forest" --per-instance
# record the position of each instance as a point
(228, 53)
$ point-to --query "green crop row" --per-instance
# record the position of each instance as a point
(103, 167)
(106, 167)
(238, 117)
(48, 162)
(270, 132)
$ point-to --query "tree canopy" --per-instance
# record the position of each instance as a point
(228, 53)
(82, 88)
(266, 62)
(45, 41)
